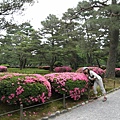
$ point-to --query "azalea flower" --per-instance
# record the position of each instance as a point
(60, 81)
(95, 69)
(63, 69)
(3, 69)
(20, 92)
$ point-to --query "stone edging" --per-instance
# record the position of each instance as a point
(57, 113)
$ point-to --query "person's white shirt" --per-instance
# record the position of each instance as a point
(95, 75)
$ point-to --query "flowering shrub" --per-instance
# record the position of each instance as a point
(117, 72)
(69, 83)
(97, 70)
(3, 69)
(44, 67)
(25, 89)
(63, 69)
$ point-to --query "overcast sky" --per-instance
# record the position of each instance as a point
(39, 11)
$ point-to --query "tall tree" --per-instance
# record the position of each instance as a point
(114, 38)
(52, 43)
(72, 35)
(8, 7)
(107, 17)
(23, 41)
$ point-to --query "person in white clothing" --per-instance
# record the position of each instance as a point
(97, 81)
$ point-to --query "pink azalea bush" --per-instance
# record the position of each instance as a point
(97, 70)
(69, 83)
(25, 89)
(63, 69)
(3, 69)
(117, 72)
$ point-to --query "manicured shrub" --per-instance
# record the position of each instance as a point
(25, 89)
(44, 67)
(63, 69)
(117, 72)
(68, 83)
(97, 70)
(3, 69)
(6, 65)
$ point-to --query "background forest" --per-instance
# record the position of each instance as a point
(87, 35)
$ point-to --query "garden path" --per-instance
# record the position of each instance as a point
(96, 110)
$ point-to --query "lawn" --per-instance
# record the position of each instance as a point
(28, 71)
(41, 110)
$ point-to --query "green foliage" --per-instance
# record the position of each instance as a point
(24, 40)
(58, 64)
(69, 85)
(78, 38)
(77, 84)
(70, 88)
(28, 71)
(6, 65)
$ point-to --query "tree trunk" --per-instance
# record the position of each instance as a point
(21, 64)
(24, 62)
(98, 62)
(52, 62)
(89, 59)
(110, 71)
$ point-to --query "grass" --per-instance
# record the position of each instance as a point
(28, 71)
(50, 107)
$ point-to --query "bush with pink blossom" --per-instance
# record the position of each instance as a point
(24, 89)
(97, 70)
(68, 83)
(63, 69)
(3, 69)
(117, 72)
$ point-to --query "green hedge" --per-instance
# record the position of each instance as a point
(28, 71)
(69, 83)
(25, 89)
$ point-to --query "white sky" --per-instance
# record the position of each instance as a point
(39, 11)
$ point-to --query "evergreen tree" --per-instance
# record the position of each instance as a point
(105, 17)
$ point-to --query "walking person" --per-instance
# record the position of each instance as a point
(97, 80)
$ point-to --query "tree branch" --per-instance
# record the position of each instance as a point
(95, 4)
(9, 8)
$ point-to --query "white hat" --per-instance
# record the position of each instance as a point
(84, 68)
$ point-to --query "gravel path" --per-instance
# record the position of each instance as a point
(96, 110)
